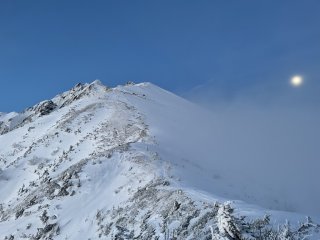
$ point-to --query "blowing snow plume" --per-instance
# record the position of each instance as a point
(264, 148)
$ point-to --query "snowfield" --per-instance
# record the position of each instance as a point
(131, 162)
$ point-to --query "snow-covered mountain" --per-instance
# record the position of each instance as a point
(127, 163)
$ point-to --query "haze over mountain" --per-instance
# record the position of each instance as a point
(138, 162)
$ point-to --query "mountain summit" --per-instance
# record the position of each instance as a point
(125, 163)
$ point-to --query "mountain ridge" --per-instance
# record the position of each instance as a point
(96, 162)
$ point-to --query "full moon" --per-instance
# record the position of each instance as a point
(296, 81)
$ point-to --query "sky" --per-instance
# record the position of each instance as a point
(206, 51)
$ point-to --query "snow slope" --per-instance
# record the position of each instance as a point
(129, 162)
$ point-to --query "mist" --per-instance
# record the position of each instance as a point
(263, 151)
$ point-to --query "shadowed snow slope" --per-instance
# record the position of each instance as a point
(132, 162)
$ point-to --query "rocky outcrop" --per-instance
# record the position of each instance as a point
(79, 91)
(45, 108)
(3, 128)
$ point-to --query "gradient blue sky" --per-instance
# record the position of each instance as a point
(198, 49)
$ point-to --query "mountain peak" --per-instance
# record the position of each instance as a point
(9, 122)
(128, 154)
(97, 82)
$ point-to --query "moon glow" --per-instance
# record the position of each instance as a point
(296, 81)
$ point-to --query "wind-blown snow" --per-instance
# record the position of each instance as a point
(133, 161)
(204, 155)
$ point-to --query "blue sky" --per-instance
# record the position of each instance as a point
(202, 50)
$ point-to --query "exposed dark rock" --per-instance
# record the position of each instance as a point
(19, 213)
(45, 108)
(44, 217)
(176, 205)
(63, 192)
(47, 232)
(3, 128)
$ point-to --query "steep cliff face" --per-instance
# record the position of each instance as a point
(96, 162)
